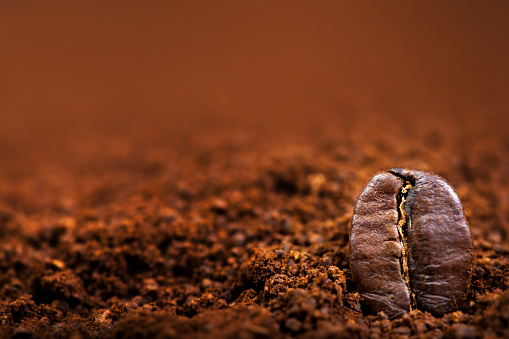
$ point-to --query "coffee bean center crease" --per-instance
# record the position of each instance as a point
(404, 222)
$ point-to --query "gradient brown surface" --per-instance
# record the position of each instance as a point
(109, 106)
(85, 66)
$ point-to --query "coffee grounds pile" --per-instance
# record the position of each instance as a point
(231, 233)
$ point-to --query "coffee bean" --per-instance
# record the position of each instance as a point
(410, 245)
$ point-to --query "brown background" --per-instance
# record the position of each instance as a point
(76, 69)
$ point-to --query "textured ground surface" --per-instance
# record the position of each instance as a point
(230, 235)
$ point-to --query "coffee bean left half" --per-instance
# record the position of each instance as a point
(410, 244)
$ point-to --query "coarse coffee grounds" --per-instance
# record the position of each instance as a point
(226, 238)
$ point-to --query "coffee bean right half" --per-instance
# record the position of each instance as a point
(410, 245)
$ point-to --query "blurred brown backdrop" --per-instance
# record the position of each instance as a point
(79, 69)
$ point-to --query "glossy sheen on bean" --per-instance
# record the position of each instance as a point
(427, 263)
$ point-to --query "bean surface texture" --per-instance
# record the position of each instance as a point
(410, 244)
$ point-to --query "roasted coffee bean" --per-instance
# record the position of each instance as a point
(410, 245)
